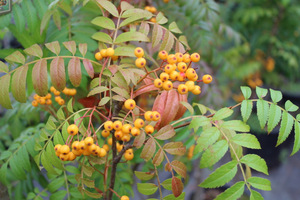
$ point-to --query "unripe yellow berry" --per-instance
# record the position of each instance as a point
(103, 53)
(72, 129)
(139, 123)
(135, 131)
(163, 55)
(98, 56)
(149, 129)
(149, 116)
(179, 57)
(110, 52)
(156, 115)
(130, 104)
(190, 85)
(167, 85)
(158, 83)
(117, 125)
(89, 141)
(126, 128)
(182, 89)
(169, 68)
(164, 76)
(186, 58)
(105, 133)
(140, 62)
(34, 103)
(182, 67)
(108, 125)
(195, 57)
(139, 52)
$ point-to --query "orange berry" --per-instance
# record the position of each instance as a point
(139, 52)
(149, 129)
(117, 125)
(61, 102)
(207, 79)
(98, 151)
(115, 58)
(42, 101)
(52, 89)
(140, 62)
(172, 59)
(164, 76)
(64, 149)
(174, 75)
(71, 156)
(48, 102)
(105, 133)
(153, 20)
(56, 93)
(86, 152)
(77, 152)
(128, 156)
(190, 73)
(108, 125)
(181, 76)
(57, 99)
(92, 148)
(103, 53)
(196, 90)
(110, 52)
(109, 141)
(64, 157)
(182, 67)
(182, 89)
(139, 123)
(98, 56)
(119, 147)
(135, 131)
(149, 116)
(179, 57)
(48, 96)
(124, 197)
(72, 129)
(106, 147)
(167, 85)
(89, 141)
(118, 135)
(156, 115)
(169, 68)
(153, 9)
(148, 8)
(126, 138)
(72, 92)
(190, 85)
(186, 58)
(163, 55)
(82, 146)
(102, 152)
(57, 148)
(195, 57)
(158, 83)
(195, 78)
(130, 104)
(126, 128)
(75, 145)
(34, 103)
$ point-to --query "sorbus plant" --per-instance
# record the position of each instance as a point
(90, 151)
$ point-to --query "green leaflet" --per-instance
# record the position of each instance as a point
(58, 195)
(147, 188)
(255, 195)
(261, 92)
(4, 91)
(290, 107)
(255, 162)
(276, 96)
(104, 22)
(213, 154)
(198, 122)
(102, 37)
(174, 28)
(161, 19)
(236, 125)
(246, 109)
(246, 140)
(297, 138)
(274, 117)
(56, 184)
(188, 106)
(208, 137)
(168, 42)
(232, 193)
(246, 92)
(222, 113)
(221, 176)
(260, 183)
(131, 36)
(110, 7)
(18, 17)
(144, 175)
(262, 112)
(285, 127)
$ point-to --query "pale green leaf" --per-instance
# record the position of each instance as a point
(246, 140)
(109, 6)
(184, 41)
(274, 117)
(168, 42)
(260, 183)
(297, 138)
(188, 106)
(246, 92)
(222, 113)
(157, 34)
(232, 193)
(102, 37)
(213, 154)
(104, 22)
(198, 122)
(34, 50)
(208, 137)
(145, 176)
(18, 85)
(236, 125)
(97, 90)
(147, 188)
(104, 101)
(17, 57)
(125, 51)
(161, 19)
(290, 107)
(276, 96)
(3, 67)
(255, 162)
(174, 28)
(255, 195)
(131, 36)
(261, 92)
(54, 47)
(4, 91)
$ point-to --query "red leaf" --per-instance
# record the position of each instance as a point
(171, 108)
(175, 148)
(182, 108)
(74, 70)
(89, 67)
(159, 106)
(18, 85)
(148, 150)
(177, 186)
(40, 77)
(58, 73)
(144, 89)
(158, 158)
(179, 168)
(168, 167)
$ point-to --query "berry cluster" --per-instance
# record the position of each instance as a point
(104, 53)
(46, 100)
(140, 62)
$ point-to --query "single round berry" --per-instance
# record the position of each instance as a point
(110, 52)
(77, 152)
(34, 103)
(56, 93)
(174, 75)
(140, 62)
(82, 145)
(98, 56)
(61, 102)
(52, 89)
(135, 131)
(98, 151)
(130, 104)
(36, 97)
(118, 135)
(149, 129)
(92, 148)
(117, 125)
(57, 148)
(72, 92)
(195, 78)
(48, 102)
(64, 157)
(156, 115)
(158, 83)
(186, 58)
(196, 90)
(72, 129)
(126, 128)
(139, 52)
(103, 53)
(153, 9)
(64, 149)
(182, 89)
(195, 57)
(207, 79)
(179, 57)
(126, 138)
(190, 73)
(57, 99)
(105, 133)
(75, 145)
(106, 147)
(163, 55)
(102, 152)
(48, 96)
(181, 77)
(172, 59)
(153, 20)
(164, 76)
(149, 116)
(42, 101)
(89, 141)
(128, 156)
(139, 123)
(190, 85)
(167, 85)
(182, 67)
(108, 125)
(71, 156)
(169, 68)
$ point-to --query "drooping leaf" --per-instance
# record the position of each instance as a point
(246, 140)
(213, 154)
(58, 73)
(147, 188)
(246, 109)
(222, 114)
(137, 16)
(82, 48)
(168, 41)
(177, 186)
(158, 158)
(262, 112)
(255, 195)
(18, 85)
(208, 137)
(104, 22)
(157, 33)
(188, 106)
(97, 90)
(165, 133)
(232, 193)
(285, 127)
(259, 183)
(149, 149)
(221, 176)
(145, 176)
(131, 36)
(74, 71)
(255, 162)
(57, 19)
(125, 51)
(184, 41)
(45, 20)
(297, 138)
(110, 7)
(34, 50)
(40, 77)
(139, 140)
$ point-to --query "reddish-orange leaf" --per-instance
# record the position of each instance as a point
(179, 168)
(74, 70)
(139, 140)
(175, 148)
(58, 73)
(40, 77)
(158, 158)
(165, 133)
(177, 186)
(148, 150)
(89, 67)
